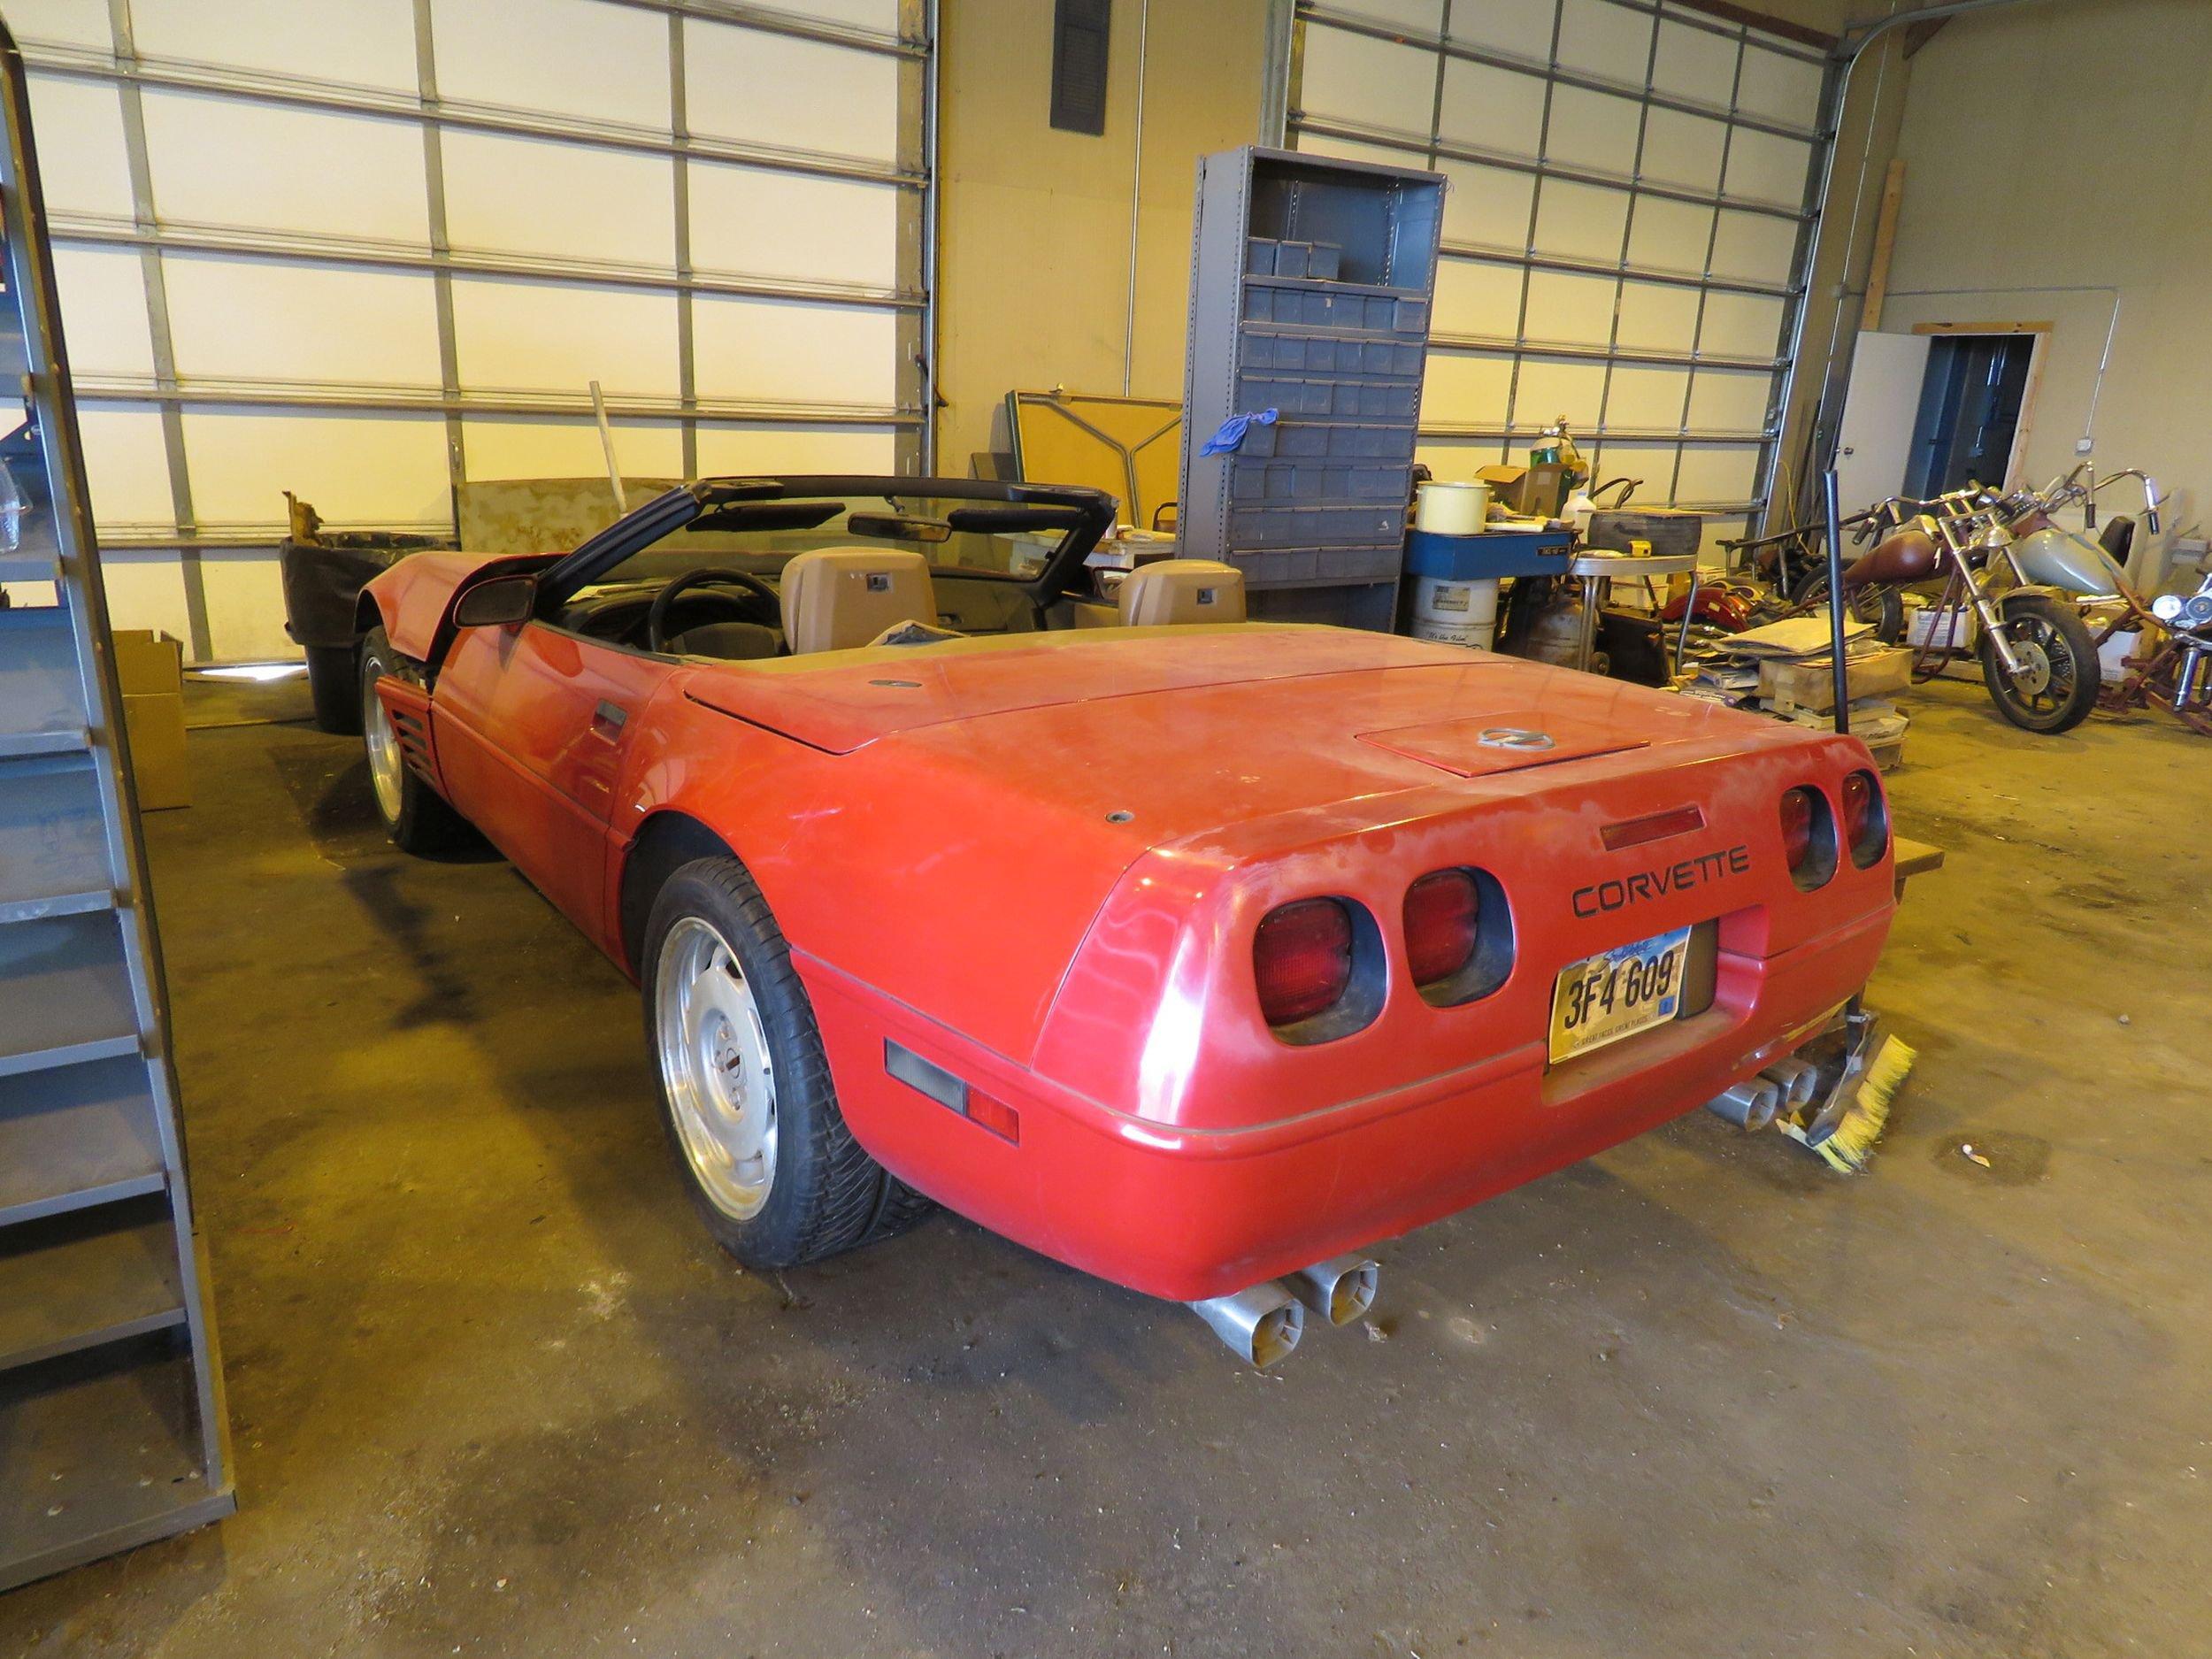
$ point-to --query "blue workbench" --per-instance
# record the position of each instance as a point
(1467, 558)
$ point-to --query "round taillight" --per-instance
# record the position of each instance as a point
(1865, 819)
(1797, 829)
(1443, 913)
(1808, 837)
(1302, 959)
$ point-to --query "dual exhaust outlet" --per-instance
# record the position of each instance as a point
(1262, 1323)
(1752, 1104)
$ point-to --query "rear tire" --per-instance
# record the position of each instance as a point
(2062, 676)
(746, 1097)
(416, 817)
(334, 680)
(1884, 608)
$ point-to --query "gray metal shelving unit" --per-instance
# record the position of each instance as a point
(1311, 284)
(111, 1426)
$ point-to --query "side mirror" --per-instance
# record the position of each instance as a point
(500, 603)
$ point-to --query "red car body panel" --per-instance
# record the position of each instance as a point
(1038, 861)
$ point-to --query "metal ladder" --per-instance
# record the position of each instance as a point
(112, 1424)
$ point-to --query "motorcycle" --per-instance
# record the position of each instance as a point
(2015, 586)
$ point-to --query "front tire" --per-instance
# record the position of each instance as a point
(747, 1100)
(416, 817)
(2059, 675)
(334, 680)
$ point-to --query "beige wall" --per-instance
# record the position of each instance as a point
(2092, 187)
(1034, 263)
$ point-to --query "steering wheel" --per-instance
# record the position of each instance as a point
(656, 619)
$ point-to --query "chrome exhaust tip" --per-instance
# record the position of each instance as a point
(1797, 1081)
(1749, 1105)
(1261, 1324)
(1340, 1289)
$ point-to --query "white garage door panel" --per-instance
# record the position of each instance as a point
(1621, 238)
(357, 468)
(1523, 27)
(577, 56)
(1684, 150)
(72, 22)
(1464, 386)
(1592, 129)
(126, 470)
(1359, 79)
(1658, 316)
(367, 43)
(1597, 38)
(1728, 402)
(1581, 221)
(795, 353)
(1647, 397)
(1780, 88)
(1474, 297)
(788, 225)
(512, 447)
(104, 311)
(542, 336)
(796, 95)
(89, 171)
(1765, 167)
(729, 451)
(1756, 247)
(245, 604)
(1695, 61)
(218, 161)
(1485, 107)
(538, 196)
(1718, 472)
(145, 589)
(1553, 387)
(1486, 207)
(881, 17)
(1670, 235)
(1742, 326)
(1566, 310)
(249, 319)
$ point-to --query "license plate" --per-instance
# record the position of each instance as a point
(1618, 993)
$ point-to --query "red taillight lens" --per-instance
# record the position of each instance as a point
(1442, 910)
(1797, 828)
(1865, 819)
(1302, 959)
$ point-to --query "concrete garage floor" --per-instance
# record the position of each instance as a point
(494, 1393)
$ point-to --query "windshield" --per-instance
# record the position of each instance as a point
(987, 538)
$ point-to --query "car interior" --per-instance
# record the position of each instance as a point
(755, 580)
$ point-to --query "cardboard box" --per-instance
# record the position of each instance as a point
(1530, 492)
(1810, 683)
(148, 664)
(154, 726)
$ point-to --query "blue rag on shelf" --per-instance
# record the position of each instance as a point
(1229, 436)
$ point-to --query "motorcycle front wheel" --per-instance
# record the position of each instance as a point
(2057, 680)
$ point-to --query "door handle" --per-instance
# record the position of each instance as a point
(608, 720)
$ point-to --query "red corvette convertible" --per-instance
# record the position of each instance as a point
(1195, 952)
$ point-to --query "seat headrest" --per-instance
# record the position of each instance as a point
(837, 598)
(1182, 590)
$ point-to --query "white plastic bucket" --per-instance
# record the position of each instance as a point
(1456, 612)
(1452, 509)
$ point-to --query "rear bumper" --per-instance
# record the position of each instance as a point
(1184, 1214)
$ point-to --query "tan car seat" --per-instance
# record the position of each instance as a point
(1182, 590)
(837, 598)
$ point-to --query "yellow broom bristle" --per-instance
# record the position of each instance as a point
(1861, 1126)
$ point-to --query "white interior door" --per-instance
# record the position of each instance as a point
(1875, 445)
